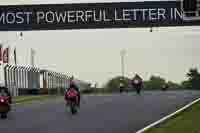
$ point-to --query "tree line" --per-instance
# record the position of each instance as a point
(153, 83)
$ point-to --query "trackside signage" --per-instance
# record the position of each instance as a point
(92, 16)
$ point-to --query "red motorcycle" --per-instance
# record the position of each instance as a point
(5, 102)
(71, 98)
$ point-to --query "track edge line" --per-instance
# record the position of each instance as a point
(168, 116)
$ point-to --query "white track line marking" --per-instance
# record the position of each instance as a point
(169, 116)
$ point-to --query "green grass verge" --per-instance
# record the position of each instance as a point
(186, 122)
(21, 99)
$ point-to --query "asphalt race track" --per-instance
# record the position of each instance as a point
(118, 113)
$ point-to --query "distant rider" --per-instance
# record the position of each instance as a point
(121, 87)
(165, 87)
(137, 83)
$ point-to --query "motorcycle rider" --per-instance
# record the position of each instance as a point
(4, 92)
(73, 86)
(165, 87)
(121, 87)
(137, 83)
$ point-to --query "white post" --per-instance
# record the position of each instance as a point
(123, 52)
(32, 57)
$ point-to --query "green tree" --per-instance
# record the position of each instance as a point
(114, 83)
(155, 82)
(173, 85)
(186, 85)
(193, 78)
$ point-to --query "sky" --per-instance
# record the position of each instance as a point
(94, 55)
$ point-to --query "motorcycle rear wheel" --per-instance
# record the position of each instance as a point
(73, 110)
(3, 115)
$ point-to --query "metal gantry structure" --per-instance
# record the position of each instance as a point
(23, 80)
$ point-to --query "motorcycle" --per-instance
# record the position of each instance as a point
(121, 87)
(4, 106)
(138, 85)
(72, 101)
(165, 87)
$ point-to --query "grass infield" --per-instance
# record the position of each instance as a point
(185, 122)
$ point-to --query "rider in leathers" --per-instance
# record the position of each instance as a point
(73, 86)
(138, 86)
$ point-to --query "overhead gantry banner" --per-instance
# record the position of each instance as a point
(92, 16)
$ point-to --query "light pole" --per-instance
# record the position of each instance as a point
(122, 53)
(151, 29)
(33, 57)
